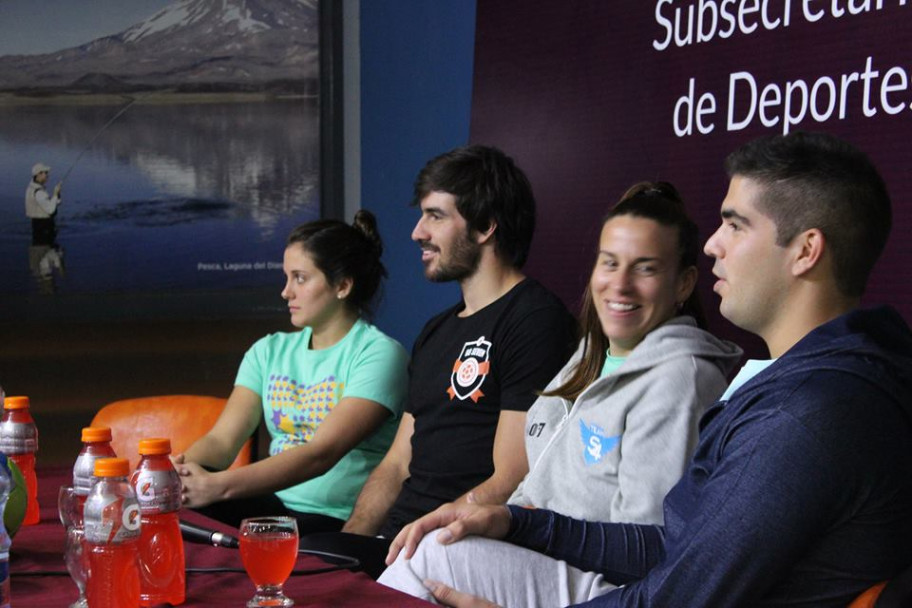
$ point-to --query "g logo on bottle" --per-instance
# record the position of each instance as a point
(131, 517)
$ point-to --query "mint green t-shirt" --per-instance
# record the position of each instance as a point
(611, 364)
(299, 387)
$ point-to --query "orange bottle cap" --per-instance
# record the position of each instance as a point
(112, 467)
(155, 445)
(92, 434)
(19, 402)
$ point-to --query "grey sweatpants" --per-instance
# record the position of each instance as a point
(505, 574)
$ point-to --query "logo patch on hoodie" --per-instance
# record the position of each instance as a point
(595, 443)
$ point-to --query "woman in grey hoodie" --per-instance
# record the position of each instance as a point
(612, 432)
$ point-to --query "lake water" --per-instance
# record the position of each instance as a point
(188, 197)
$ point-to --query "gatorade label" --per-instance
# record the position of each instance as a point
(82, 474)
(111, 520)
(158, 491)
(18, 438)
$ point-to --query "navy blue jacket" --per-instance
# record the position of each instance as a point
(799, 494)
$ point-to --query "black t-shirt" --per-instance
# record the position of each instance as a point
(463, 372)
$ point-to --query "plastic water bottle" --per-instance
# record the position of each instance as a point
(161, 548)
(96, 443)
(112, 530)
(6, 484)
(19, 441)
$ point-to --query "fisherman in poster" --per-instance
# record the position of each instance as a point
(42, 208)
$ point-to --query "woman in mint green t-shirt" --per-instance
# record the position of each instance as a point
(330, 394)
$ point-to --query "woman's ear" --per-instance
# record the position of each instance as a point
(687, 281)
(344, 288)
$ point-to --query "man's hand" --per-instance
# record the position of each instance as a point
(456, 599)
(458, 520)
(57, 189)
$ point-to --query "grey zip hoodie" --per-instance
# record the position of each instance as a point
(614, 453)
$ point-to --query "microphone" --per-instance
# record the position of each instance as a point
(198, 534)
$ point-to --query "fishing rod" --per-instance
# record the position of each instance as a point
(100, 131)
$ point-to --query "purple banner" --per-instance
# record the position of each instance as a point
(592, 96)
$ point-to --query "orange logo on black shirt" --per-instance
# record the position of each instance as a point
(470, 370)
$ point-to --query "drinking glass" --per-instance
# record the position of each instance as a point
(70, 511)
(269, 550)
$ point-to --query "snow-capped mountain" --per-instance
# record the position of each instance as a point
(231, 43)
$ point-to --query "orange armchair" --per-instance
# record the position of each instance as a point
(894, 593)
(181, 418)
(869, 597)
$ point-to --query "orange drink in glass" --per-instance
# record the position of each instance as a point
(269, 550)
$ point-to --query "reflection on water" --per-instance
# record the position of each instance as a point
(167, 212)
(254, 154)
(165, 185)
(45, 264)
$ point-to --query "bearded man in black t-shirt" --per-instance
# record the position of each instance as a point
(477, 366)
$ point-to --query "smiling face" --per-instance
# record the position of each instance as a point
(312, 301)
(448, 251)
(752, 270)
(637, 281)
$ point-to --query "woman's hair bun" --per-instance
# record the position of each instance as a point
(365, 223)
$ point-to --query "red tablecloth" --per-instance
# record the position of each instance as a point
(40, 548)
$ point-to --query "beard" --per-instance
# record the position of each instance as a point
(461, 263)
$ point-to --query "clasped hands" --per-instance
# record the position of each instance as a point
(199, 487)
(454, 521)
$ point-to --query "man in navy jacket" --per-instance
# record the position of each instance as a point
(800, 492)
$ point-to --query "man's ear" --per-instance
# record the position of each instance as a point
(483, 236)
(809, 247)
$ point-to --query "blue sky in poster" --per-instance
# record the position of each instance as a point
(34, 27)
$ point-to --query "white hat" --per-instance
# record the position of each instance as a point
(39, 168)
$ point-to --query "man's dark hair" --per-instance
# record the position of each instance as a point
(815, 180)
(488, 187)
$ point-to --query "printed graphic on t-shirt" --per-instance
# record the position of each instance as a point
(298, 409)
(595, 443)
(470, 370)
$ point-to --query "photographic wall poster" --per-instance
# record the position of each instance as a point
(185, 135)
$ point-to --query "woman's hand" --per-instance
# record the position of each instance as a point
(458, 520)
(456, 599)
(199, 487)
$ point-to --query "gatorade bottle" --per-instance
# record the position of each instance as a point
(96, 443)
(161, 548)
(19, 441)
(6, 485)
(112, 530)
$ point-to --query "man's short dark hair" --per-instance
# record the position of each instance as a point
(488, 186)
(815, 180)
